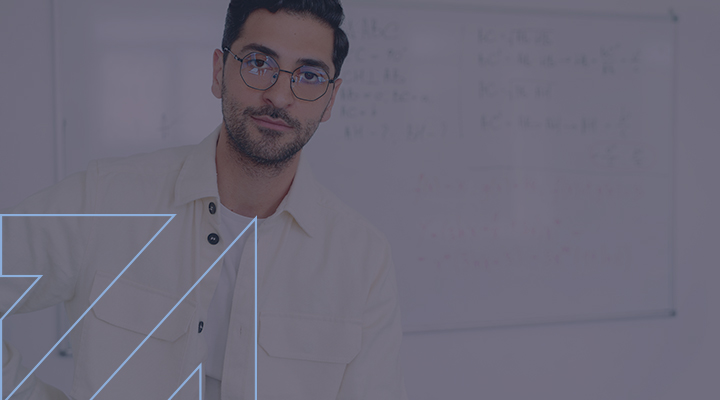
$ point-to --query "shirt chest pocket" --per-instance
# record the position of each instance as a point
(119, 322)
(139, 308)
(304, 357)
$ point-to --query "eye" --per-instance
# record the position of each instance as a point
(258, 64)
(311, 75)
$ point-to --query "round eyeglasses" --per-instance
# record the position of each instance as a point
(260, 71)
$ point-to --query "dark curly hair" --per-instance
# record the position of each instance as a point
(327, 11)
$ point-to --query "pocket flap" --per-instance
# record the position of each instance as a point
(140, 308)
(310, 338)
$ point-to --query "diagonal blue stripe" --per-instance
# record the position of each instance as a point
(104, 291)
(254, 221)
(37, 278)
(198, 370)
(9, 310)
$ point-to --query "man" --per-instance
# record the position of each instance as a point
(328, 315)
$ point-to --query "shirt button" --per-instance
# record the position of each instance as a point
(213, 239)
(212, 208)
(200, 327)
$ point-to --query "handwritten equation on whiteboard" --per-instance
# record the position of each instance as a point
(519, 164)
(564, 233)
(496, 86)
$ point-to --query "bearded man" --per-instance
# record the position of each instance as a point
(328, 324)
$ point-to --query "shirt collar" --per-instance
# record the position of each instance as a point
(304, 200)
(198, 174)
(198, 179)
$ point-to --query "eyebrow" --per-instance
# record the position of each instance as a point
(260, 48)
(311, 62)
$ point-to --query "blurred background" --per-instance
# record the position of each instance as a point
(84, 79)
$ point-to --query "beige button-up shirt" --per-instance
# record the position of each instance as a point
(329, 324)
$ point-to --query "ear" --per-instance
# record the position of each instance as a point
(328, 108)
(217, 82)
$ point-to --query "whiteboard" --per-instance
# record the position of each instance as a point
(521, 164)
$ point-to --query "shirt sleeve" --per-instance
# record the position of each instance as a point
(33, 389)
(51, 247)
(375, 373)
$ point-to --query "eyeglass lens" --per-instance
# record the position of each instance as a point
(260, 71)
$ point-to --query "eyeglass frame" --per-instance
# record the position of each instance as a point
(292, 76)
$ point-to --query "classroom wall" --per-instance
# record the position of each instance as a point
(28, 153)
(669, 358)
(659, 359)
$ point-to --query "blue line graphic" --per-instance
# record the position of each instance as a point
(37, 278)
(254, 221)
(170, 216)
(197, 371)
(7, 312)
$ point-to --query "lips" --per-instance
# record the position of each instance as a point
(272, 123)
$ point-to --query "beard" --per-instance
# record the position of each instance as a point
(269, 151)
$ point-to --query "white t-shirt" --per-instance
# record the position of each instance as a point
(218, 319)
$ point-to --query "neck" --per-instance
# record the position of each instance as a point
(248, 189)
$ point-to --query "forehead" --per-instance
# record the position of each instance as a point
(293, 37)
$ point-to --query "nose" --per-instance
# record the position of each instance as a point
(280, 95)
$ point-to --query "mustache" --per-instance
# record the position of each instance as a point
(272, 112)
